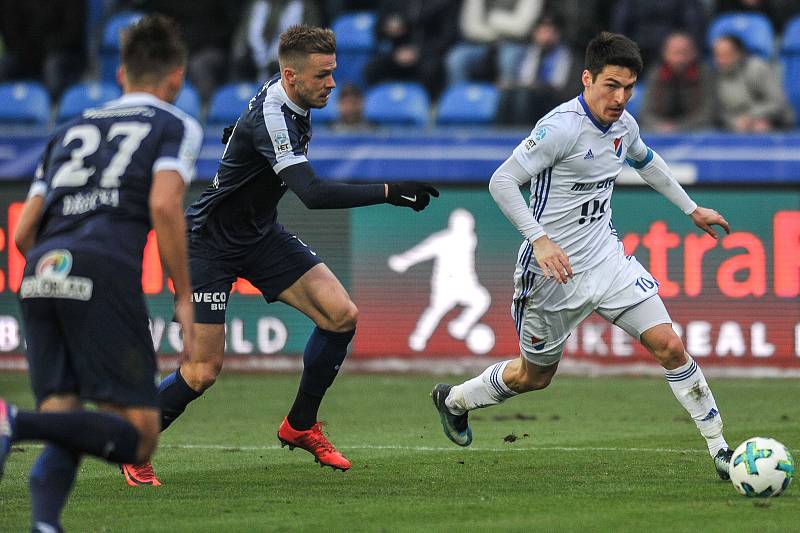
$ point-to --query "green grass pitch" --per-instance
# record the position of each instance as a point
(603, 454)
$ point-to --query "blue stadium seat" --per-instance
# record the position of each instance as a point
(329, 113)
(468, 103)
(355, 43)
(790, 62)
(228, 102)
(188, 100)
(109, 44)
(397, 104)
(754, 30)
(24, 103)
(87, 94)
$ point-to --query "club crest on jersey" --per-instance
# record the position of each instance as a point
(55, 264)
(618, 146)
(537, 343)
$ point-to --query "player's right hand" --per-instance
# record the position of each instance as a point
(184, 315)
(413, 194)
(552, 259)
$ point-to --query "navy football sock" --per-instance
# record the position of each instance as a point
(303, 413)
(50, 483)
(103, 435)
(173, 397)
(323, 356)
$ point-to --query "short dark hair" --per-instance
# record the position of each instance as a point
(612, 49)
(735, 41)
(299, 41)
(152, 48)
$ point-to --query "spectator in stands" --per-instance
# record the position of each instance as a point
(413, 36)
(208, 27)
(536, 83)
(678, 91)
(493, 34)
(649, 23)
(747, 90)
(44, 41)
(255, 46)
(777, 11)
(334, 8)
(583, 19)
(351, 109)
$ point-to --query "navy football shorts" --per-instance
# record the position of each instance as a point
(272, 266)
(87, 330)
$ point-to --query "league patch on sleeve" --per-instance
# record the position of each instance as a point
(281, 142)
(529, 144)
(540, 133)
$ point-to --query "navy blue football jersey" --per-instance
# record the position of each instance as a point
(97, 170)
(239, 207)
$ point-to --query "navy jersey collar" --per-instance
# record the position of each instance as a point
(597, 123)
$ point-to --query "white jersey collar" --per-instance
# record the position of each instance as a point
(294, 107)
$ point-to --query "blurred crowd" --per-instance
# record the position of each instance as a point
(530, 50)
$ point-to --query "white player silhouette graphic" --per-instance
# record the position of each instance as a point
(453, 282)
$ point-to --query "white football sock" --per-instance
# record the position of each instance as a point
(481, 391)
(690, 388)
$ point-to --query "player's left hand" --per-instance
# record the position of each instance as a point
(413, 194)
(703, 218)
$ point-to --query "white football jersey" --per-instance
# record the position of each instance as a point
(574, 161)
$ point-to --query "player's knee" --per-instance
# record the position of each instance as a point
(535, 382)
(345, 319)
(528, 378)
(670, 352)
(201, 375)
(206, 375)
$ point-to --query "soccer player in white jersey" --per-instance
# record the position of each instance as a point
(571, 262)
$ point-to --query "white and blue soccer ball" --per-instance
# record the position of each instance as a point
(761, 467)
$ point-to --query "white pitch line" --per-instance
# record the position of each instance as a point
(434, 448)
(510, 448)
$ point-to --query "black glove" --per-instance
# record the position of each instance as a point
(413, 194)
(226, 133)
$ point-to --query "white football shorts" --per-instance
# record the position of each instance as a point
(545, 312)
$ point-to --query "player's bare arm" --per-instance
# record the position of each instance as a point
(25, 234)
(166, 212)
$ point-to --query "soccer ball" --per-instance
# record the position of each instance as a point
(761, 467)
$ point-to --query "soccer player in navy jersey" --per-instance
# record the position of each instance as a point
(234, 232)
(105, 178)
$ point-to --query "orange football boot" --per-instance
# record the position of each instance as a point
(313, 441)
(140, 475)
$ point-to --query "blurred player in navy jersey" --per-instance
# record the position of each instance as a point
(105, 178)
(234, 232)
